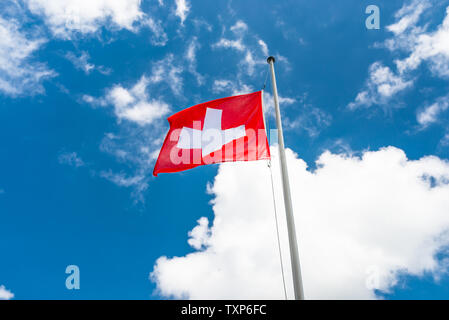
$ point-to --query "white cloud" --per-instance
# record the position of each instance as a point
(5, 294)
(250, 54)
(408, 16)
(423, 45)
(201, 23)
(249, 62)
(191, 50)
(361, 223)
(138, 182)
(233, 87)
(121, 179)
(159, 37)
(94, 101)
(199, 235)
(67, 17)
(444, 142)
(381, 86)
(132, 104)
(268, 102)
(182, 9)
(264, 47)
(227, 43)
(136, 148)
(239, 27)
(430, 114)
(420, 45)
(19, 74)
(310, 119)
(71, 159)
(166, 70)
(190, 56)
(222, 85)
(82, 63)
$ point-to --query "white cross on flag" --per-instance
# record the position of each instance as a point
(227, 129)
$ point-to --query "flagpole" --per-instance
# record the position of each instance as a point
(294, 257)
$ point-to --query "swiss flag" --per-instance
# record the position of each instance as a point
(227, 129)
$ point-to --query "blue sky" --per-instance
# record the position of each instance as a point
(85, 90)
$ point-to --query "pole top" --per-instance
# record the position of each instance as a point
(271, 58)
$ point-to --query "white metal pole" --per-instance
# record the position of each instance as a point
(296, 268)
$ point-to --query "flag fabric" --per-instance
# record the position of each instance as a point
(222, 130)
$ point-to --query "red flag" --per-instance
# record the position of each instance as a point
(222, 130)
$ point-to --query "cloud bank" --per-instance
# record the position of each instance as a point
(361, 222)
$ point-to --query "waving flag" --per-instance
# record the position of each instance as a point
(227, 129)
(230, 129)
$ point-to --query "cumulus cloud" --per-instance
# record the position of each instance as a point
(132, 104)
(408, 16)
(361, 223)
(19, 73)
(67, 17)
(136, 146)
(411, 36)
(182, 9)
(139, 135)
(380, 87)
(199, 235)
(421, 44)
(430, 114)
(5, 294)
